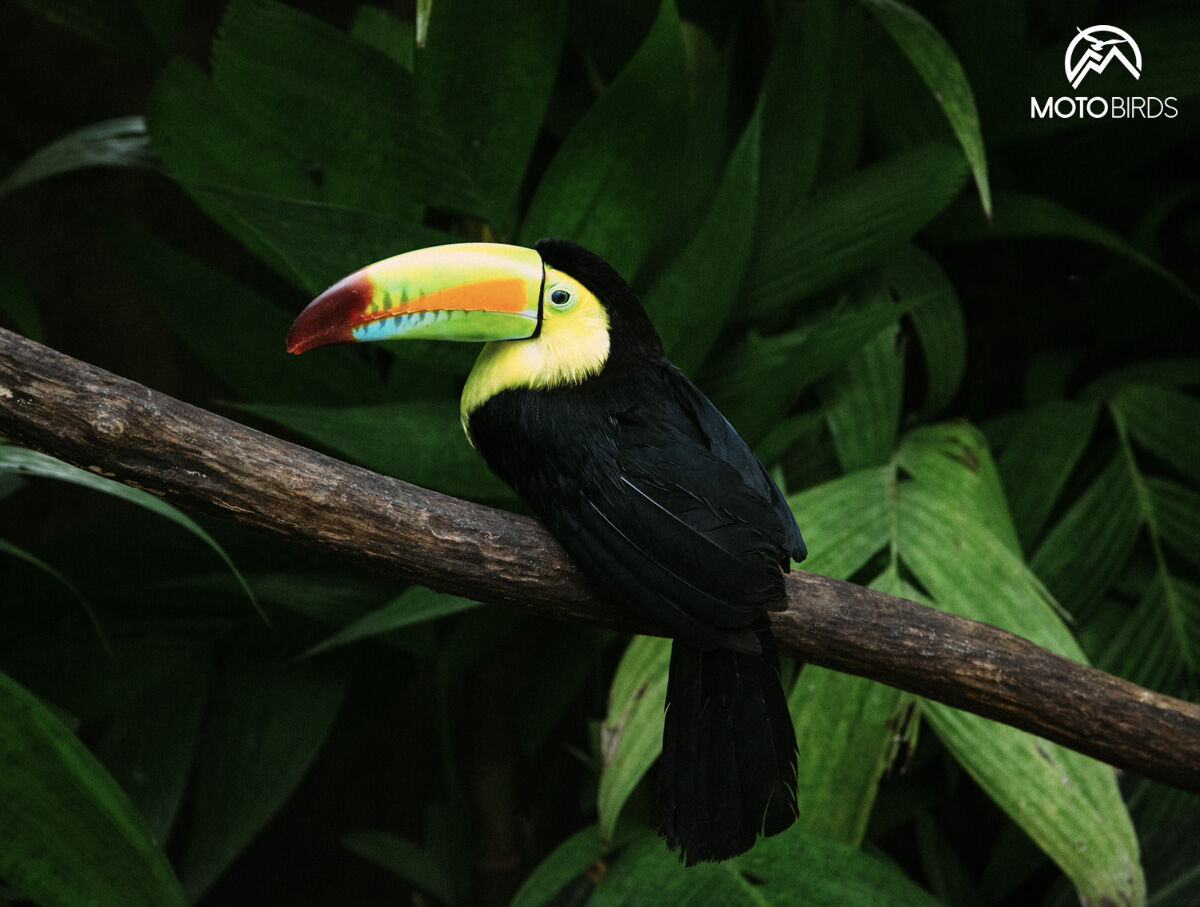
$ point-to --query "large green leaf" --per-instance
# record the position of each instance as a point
(632, 731)
(420, 441)
(564, 866)
(1087, 549)
(607, 185)
(206, 145)
(710, 267)
(757, 381)
(265, 724)
(354, 117)
(319, 242)
(1042, 451)
(24, 462)
(1177, 516)
(1033, 216)
(796, 98)
(850, 225)
(1069, 804)
(148, 746)
(238, 335)
(416, 865)
(1167, 423)
(862, 398)
(389, 34)
(68, 835)
(119, 142)
(936, 63)
(1165, 372)
(844, 522)
(846, 727)
(791, 868)
(15, 551)
(141, 30)
(489, 69)
(847, 730)
(938, 320)
(954, 459)
(263, 194)
(414, 606)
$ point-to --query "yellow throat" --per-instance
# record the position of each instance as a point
(571, 346)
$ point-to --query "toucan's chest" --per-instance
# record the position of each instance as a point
(549, 442)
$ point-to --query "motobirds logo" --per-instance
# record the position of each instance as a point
(1092, 50)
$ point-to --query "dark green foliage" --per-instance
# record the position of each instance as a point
(965, 341)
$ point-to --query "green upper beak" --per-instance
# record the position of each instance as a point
(464, 291)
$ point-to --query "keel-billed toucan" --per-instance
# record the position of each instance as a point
(640, 478)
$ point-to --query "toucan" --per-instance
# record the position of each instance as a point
(644, 483)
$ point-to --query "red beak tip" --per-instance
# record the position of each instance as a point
(327, 318)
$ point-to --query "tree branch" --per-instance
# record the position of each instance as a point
(199, 460)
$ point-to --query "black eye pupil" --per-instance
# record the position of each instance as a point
(560, 297)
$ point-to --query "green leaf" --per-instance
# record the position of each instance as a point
(419, 441)
(489, 69)
(350, 114)
(953, 459)
(565, 865)
(320, 243)
(1032, 216)
(1038, 458)
(557, 672)
(68, 835)
(392, 36)
(16, 302)
(845, 522)
(632, 732)
(238, 335)
(30, 463)
(937, 321)
(265, 724)
(847, 729)
(793, 867)
(607, 185)
(1161, 372)
(795, 102)
(850, 225)
(1177, 516)
(34, 561)
(756, 382)
(935, 62)
(148, 746)
(1086, 550)
(414, 606)
(416, 865)
(1069, 804)
(1167, 423)
(711, 266)
(135, 29)
(120, 142)
(1148, 647)
(862, 399)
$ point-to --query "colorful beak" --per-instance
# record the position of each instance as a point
(465, 291)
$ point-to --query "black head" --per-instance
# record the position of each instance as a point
(632, 336)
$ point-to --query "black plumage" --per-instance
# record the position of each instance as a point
(655, 495)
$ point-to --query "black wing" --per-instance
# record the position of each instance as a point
(675, 514)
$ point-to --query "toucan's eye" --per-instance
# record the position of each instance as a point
(560, 298)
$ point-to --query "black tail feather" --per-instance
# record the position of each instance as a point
(728, 767)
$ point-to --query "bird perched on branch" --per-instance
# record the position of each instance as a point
(645, 484)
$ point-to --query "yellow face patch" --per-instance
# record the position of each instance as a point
(571, 347)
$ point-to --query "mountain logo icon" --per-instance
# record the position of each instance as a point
(1094, 48)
